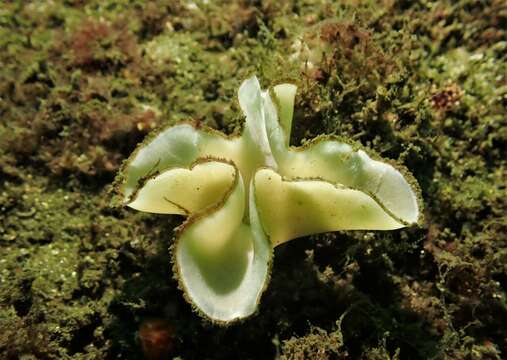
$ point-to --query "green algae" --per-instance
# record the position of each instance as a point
(421, 82)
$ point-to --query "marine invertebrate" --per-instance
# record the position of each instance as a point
(244, 195)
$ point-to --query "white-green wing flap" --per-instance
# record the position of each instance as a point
(285, 94)
(176, 146)
(338, 163)
(185, 191)
(223, 263)
(291, 209)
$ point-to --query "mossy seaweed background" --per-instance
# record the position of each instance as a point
(422, 82)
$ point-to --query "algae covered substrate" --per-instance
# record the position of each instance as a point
(423, 83)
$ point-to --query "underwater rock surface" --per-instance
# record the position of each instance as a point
(422, 83)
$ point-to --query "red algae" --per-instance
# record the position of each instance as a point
(157, 339)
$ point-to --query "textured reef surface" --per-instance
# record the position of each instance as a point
(421, 82)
